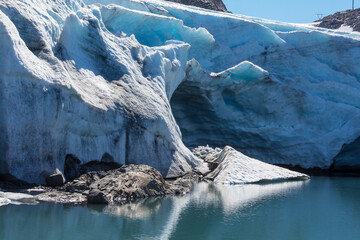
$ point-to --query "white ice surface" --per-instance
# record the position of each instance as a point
(236, 168)
(16, 198)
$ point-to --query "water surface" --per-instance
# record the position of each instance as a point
(322, 208)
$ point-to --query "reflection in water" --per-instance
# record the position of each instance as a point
(136, 210)
(230, 197)
(322, 208)
(235, 197)
(179, 205)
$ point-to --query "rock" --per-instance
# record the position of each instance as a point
(55, 180)
(82, 183)
(182, 185)
(98, 197)
(349, 18)
(62, 197)
(127, 183)
(216, 5)
(118, 186)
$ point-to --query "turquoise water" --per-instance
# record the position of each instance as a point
(322, 208)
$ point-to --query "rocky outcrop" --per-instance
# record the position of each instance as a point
(350, 18)
(125, 184)
(216, 5)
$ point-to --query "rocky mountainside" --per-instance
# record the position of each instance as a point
(216, 5)
(350, 18)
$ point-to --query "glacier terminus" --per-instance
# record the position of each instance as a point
(142, 81)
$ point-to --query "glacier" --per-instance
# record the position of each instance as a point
(143, 80)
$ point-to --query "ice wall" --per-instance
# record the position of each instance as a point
(69, 86)
(97, 76)
(303, 111)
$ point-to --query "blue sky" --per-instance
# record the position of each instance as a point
(296, 11)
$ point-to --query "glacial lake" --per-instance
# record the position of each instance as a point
(321, 208)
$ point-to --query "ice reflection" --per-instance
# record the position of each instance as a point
(230, 198)
(233, 198)
(179, 205)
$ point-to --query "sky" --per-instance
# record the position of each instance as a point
(294, 11)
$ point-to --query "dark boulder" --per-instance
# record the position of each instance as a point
(55, 180)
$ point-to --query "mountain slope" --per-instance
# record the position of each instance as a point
(349, 18)
(216, 5)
